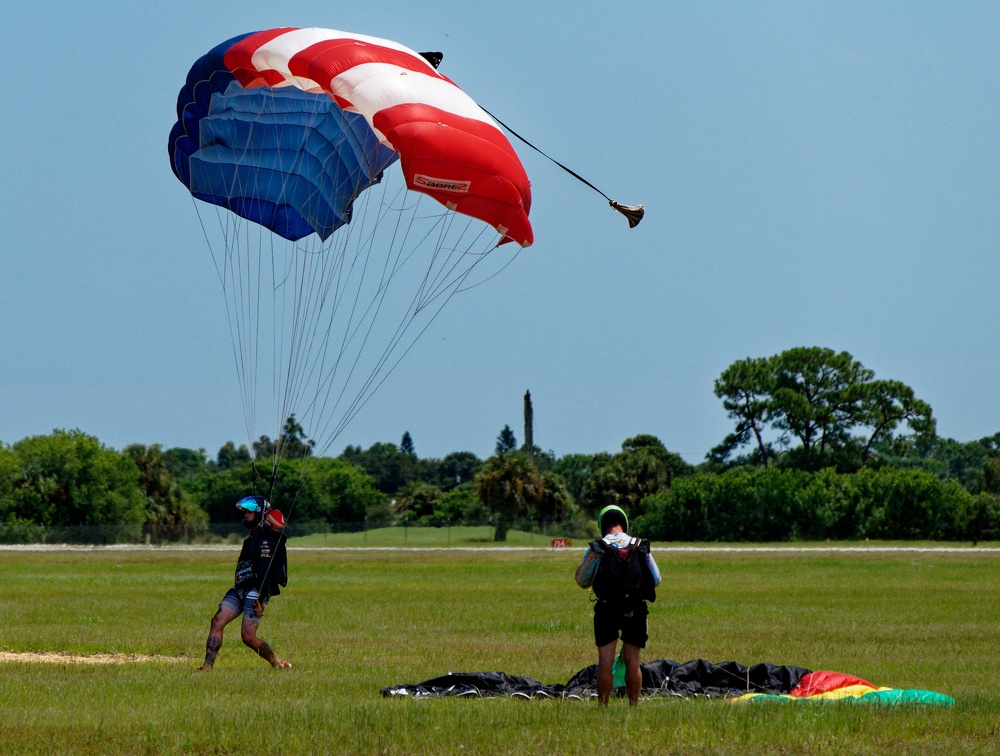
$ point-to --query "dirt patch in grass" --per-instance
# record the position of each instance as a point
(62, 657)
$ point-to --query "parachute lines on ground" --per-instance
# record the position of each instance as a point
(347, 190)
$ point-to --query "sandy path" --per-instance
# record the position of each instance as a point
(62, 657)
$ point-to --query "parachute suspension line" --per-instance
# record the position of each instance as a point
(357, 316)
(222, 270)
(329, 305)
(395, 260)
(362, 400)
(227, 262)
(291, 331)
(245, 270)
(431, 291)
(445, 280)
(241, 273)
(254, 283)
(745, 680)
(243, 300)
(633, 213)
(238, 266)
(278, 279)
(312, 285)
(491, 275)
(319, 294)
(344, 275)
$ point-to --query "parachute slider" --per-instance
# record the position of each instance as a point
(633, 213)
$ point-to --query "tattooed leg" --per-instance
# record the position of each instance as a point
(223, 617)
(266, 653)
(211, 651)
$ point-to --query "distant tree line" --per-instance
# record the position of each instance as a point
(820, 449)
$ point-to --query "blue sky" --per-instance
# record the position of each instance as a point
(815, 174)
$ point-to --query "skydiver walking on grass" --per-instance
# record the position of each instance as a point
(263, 554)
(624, 576)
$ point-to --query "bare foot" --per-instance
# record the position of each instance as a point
(204, 667)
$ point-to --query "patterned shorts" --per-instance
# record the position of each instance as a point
(239, 601)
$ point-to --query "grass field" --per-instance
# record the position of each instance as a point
(355, 620)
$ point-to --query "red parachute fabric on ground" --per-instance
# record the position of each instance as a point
(822, 681)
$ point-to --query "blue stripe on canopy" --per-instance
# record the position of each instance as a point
(289, 160)
(206, 77)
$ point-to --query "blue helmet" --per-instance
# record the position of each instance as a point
(256, 504)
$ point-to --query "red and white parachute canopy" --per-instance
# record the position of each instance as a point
(449, 148)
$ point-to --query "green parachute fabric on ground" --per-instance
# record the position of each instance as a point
(887, 697)
(896, 697)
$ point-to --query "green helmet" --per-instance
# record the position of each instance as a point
(611, 513)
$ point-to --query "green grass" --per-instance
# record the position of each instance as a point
(353, 621)
(460, 535)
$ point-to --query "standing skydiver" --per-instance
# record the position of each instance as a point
(262, 558)
(624, 577)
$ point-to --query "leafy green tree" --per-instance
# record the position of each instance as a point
(154, 476)
(217, 492)
(826, 401)
(644, 466)
(70, 478)
(886, 405)
(576, 469)
(973, 464)
(184, 463)
(510, 487)
(745, 388)
(293, 443)
(9, 475)
(991, 475)
(456, 469)
(818, 398)
(908, 504)
(978, 517)
(741, 504)
(452, 507)
(778, 504)
(406, 444)
(391, 467)
(264, 448)
(542, 460)
(556, 503)
(319, 488)
(229, 456)
(339, 492)
(416, 501)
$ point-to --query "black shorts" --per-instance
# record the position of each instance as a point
(630, 621)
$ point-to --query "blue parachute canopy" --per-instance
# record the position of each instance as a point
(289, 160)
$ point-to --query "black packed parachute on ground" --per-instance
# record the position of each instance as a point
(697, 678)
